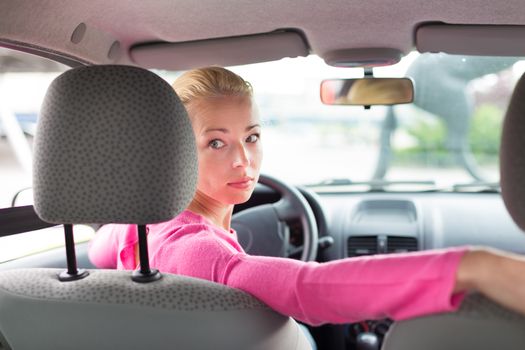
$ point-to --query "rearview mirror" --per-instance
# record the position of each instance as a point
(367, 91)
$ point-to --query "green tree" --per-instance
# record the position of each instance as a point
(485, 130)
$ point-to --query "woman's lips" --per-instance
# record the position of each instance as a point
(242, 183)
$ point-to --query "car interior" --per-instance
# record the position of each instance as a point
(417, 111)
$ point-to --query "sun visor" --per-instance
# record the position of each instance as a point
(229, 51)
(490, 40)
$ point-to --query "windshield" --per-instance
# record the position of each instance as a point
(448, 136)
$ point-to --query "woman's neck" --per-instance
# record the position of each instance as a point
(218, 213)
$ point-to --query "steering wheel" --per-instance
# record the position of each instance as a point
(264, 230)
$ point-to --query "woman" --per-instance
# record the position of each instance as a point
(200, 243)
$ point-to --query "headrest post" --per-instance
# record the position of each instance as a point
(72, 273)
(145, 274)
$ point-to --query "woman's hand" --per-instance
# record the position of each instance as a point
(498, 275)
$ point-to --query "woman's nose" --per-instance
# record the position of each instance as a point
(242, 157)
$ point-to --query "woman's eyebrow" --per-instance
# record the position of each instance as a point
(217, 129)
(224, 130)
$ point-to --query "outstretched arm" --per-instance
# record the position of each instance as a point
(397, 286)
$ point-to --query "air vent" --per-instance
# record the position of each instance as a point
(362, 245)
(368, 245)
(397, 244)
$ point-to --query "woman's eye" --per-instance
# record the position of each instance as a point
(216, 144)
(252, 138)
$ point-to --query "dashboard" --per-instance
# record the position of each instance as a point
(386, 222)
(417, 221)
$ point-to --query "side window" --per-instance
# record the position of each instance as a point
(24, 79)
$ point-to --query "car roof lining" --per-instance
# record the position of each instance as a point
(338, 25)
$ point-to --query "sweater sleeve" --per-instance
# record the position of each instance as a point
(397, 286)
(104, 246)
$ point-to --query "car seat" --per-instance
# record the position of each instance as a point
(114, 145)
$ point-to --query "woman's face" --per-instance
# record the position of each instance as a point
(227, 131)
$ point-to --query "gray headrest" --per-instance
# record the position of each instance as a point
(512, 156)
(113, 145)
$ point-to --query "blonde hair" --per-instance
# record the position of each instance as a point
(209, 82)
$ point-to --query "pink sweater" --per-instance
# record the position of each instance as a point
(397, 286)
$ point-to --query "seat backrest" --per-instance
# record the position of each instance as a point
(480, 323)
(114, 145)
